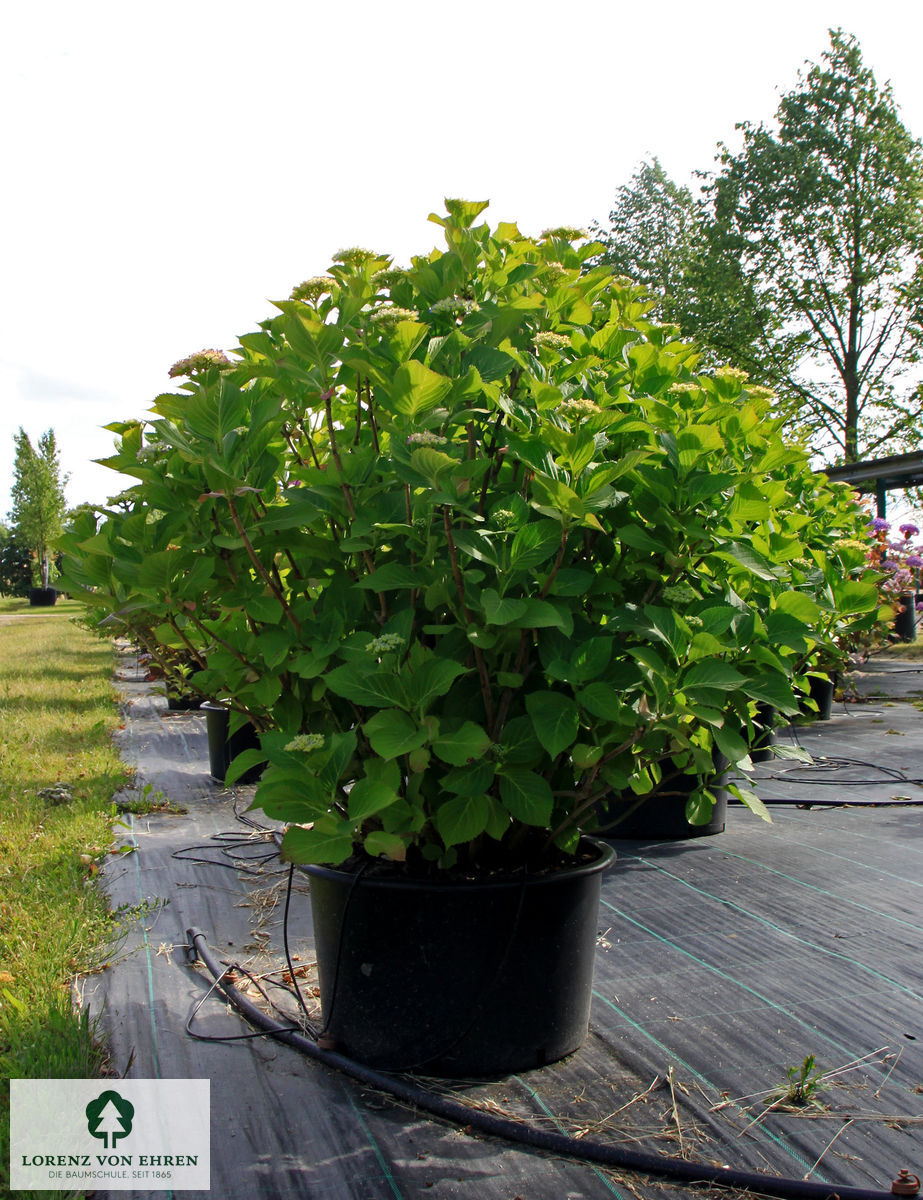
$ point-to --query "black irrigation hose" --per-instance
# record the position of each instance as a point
(795, 803)
(504, 1127)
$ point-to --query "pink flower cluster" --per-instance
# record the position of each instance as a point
(900, 559)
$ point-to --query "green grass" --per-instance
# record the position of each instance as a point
(912, 650)
(57, 714)
(62, 608)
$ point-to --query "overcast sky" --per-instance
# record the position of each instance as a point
(171, 168)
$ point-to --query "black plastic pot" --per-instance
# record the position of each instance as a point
(224, 746)
(905, 623)
(761, 749)
(662, 814)
(464, 979)
(42, 597)
(183, 703)
(821, 692)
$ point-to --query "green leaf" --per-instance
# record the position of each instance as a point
(462, 819)
(406, 336)
(500, 611)
(380, 844)
(469, 780)
(464, 745)
(751, 799)
(433, 465)
(375, 689)
(712, 673)
(555, 499)
(585, 756)
(389, 578)
(854, 596)
(799, 606)
(392, 732)
(733, 747)
(775, 690)
(602, 701)
(527, 796)
(241, 763)
(555, 719)
(699, 807)
(476, 545)
(534, 544)
(544, 614)
(265, 608)
(369, 796)
(331, 845)
(489, 363)
(521, 747)
(434, 677)
(752, 560)
(416, 389)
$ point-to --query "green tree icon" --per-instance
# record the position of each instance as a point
(109, 1116)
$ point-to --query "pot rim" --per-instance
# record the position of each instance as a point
(605, 857)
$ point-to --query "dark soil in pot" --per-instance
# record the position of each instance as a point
(464, 979)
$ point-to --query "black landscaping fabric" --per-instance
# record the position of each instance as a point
(721, 962)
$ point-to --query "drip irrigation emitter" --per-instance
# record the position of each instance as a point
(454, 1111)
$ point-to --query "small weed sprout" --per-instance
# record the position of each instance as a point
(149, 799)
(804, 1084)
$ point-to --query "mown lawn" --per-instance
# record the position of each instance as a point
(57, 714)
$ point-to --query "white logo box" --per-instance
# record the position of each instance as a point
(110, 1135)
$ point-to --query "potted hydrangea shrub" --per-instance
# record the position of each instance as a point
(515, 563)
(541, 563)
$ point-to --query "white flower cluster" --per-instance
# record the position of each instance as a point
(355, 256)
(312, 289)
(453, 304)
(577, 409)
(569, 233)
(546, 337)
(388, 317)
(425, 438)
(306, 742)
(679, 593)
(385, 643)
(389, 277)
(735, 373)
(199, 362)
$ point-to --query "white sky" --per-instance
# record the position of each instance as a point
(169, 168)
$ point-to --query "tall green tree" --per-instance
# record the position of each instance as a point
(652, 231)
(802, 261)
(38, 500)
(810, 272)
